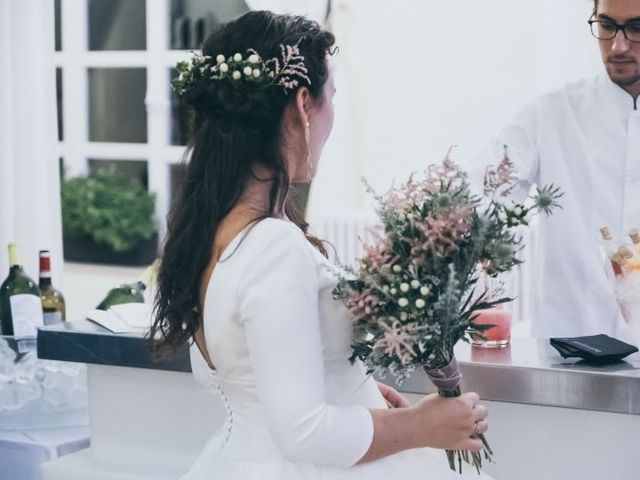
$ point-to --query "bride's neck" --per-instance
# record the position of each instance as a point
(257, 192)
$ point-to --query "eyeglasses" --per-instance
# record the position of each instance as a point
(608, 29)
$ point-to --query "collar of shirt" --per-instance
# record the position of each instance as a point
(616, 95)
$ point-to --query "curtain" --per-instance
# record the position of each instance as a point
(29, 166)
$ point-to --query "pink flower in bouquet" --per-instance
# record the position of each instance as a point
(397, 341)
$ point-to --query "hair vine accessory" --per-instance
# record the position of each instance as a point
(285, 71)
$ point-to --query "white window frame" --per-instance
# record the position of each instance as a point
(75, 59)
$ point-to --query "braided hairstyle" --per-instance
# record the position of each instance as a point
(232, 128)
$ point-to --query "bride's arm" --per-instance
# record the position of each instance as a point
(435, 422)
(278, 301)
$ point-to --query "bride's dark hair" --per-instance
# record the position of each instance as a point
(232, 128)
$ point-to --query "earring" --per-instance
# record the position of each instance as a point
(309, 166)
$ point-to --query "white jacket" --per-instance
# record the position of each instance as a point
(584, 138)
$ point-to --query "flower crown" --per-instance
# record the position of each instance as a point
(286, 71)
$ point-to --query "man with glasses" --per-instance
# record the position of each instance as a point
(584, 138)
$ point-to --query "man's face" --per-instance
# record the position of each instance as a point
(621, 57)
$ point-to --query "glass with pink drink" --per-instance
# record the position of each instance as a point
(499, 335)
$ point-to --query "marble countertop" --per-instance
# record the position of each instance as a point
(529, 371)
(87, 342)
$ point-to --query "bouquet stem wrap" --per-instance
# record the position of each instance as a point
(447, 381)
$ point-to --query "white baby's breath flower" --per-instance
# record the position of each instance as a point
(248, 71)
(220, 58)
(397, 268)
(517, 211)
(224, 68)
(420, 303)
(254, 58)
(502, 216)
(404, 287)
(424, 291)
(513, 221)
(236, 75)
(237, 57)
(403, 302)
(385, 288)
(415, 284)
(403, 316)
(181, 76)
(393, 291)
(256, 73)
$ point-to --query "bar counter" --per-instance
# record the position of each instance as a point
(529, 371)
(550, 418)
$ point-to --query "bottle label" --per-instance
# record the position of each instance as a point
(52, 317)
(26, 311)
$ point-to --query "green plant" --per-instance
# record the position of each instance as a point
(114, 210)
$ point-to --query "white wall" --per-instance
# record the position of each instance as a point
(427, 74)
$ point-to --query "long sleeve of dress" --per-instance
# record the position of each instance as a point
(278, 300)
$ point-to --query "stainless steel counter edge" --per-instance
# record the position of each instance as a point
(529, 371)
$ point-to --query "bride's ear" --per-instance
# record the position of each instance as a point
(303, 104)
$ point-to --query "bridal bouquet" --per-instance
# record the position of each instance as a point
(413, 296)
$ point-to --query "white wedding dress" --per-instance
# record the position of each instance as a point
(296, 407)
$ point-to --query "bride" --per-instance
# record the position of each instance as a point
(242, 279)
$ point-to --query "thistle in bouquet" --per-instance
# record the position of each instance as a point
(413, 297)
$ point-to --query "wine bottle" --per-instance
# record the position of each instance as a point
(53, 304)
(20, 304)
(128, 292)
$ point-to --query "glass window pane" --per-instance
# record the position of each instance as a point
(117, 25)
(191, 20)
(59, 99)
(117, 111)
(57, 23)
(180, 117)
(129, 168)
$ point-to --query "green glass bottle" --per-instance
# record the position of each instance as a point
(20, 304)
(128, 292)
(53, 303)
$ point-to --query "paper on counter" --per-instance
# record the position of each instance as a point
(124, 318)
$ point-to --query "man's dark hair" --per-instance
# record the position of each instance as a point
(595, 6)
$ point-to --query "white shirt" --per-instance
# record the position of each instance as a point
(584, 138)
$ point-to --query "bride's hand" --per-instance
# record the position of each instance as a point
(451, 423)
(393, 398)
